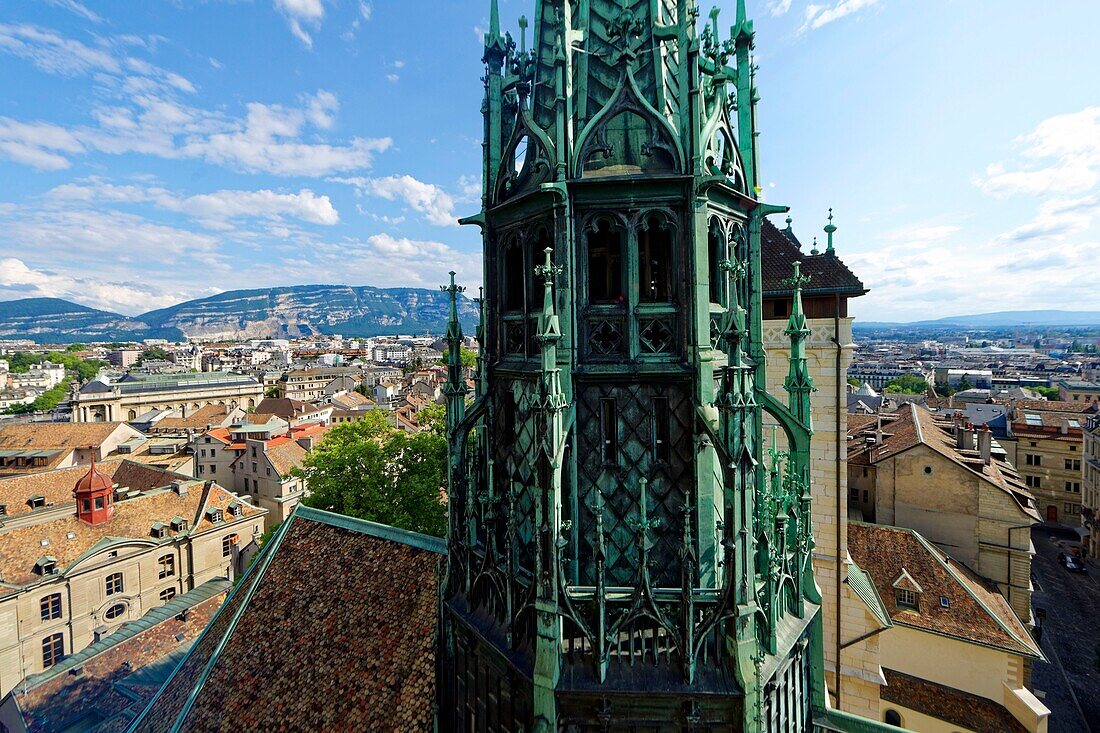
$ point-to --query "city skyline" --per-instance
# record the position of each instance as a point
(190, 148)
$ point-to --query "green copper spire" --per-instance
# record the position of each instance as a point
(829, 229)
(623, 548)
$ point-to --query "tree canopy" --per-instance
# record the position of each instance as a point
(21, 362)
(369, 469)
(907, 384)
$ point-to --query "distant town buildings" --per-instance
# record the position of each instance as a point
(105, 400)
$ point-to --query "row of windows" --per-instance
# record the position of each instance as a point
(1033, 482)
(1073, 486)
(1073, 464)
(1033, 460)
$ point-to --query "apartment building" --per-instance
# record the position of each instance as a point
(1050, 457)
(133, 539)
(954, 485)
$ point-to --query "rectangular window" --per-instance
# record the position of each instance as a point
(53, 650)
(167, 594)
(1074, 486)
(201, 468)
(227, 545)
(853, 494)
(253, 452)
(114, 583)
(905, 598)
(1033, 460)
(50, 606)
(662, 430)
(212, 468)
(166, 566)
(609, 430)
(1072, 510)
(254, 469)
(1033, 482)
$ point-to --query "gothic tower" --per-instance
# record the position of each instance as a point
(628, 549)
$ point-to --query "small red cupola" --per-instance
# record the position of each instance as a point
(95, 497)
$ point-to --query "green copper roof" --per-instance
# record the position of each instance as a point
(862, 585)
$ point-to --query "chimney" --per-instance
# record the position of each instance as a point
(985, 445)
(878, 430)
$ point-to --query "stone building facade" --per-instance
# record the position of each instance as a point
(70, 580)
(133, 395)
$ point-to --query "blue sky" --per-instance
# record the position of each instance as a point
(156, 151)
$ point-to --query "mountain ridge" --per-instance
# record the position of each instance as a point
(997, 319)
(279, 312)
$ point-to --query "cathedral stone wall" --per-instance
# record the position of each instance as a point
(861, 675)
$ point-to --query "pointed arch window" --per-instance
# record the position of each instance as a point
(654, 261)
(605, 264)
(716, 253)
(512, 277)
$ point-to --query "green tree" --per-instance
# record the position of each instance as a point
(44, 402)
(1051, 393)
(963, 385)
(153, 353)
(907, 384)
(855, 382)
(370, 470)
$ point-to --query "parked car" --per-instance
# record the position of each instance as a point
(1072, 563)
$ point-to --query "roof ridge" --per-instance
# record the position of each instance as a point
(375, 529)
(253, 575)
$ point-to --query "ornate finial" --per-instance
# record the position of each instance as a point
(789, 230)
(797, 280)
(494, 19)
(815, 250)
(523, 34)
(829, 229)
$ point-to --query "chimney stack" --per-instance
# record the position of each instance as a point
(985, 445)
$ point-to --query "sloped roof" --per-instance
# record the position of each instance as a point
(957, 707)
(56, 486)
(369, 638)
(976, 612)
(133, 519)
(57, 435)
(828, 274)
(116, 673)
(912, 425)
(200, 418)
(285, 455)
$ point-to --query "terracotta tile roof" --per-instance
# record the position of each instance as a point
(369, 593)
(284, 407)
(56, 486)
(827, 272)
(21, 547)
(976, 611)
(1054, 406)
(119, 674)
(285, 456)
(199, 419)
(55, 435)
(913, 425)
(963, 709)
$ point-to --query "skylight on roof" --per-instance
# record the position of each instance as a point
(1033, 419)
(1073, 423)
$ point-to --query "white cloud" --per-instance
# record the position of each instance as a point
(18, 280)
(779, 7)
(77, 9)
(214, 210)
(301, 14)
(818, 15)
(267, 140)
(53, 53)
(366, 10)
(432, 202)
(392, 78)
(922, 234)
(1061, 156)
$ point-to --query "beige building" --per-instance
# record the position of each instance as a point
(1049, 457)
(264, 472)
(318, 383)
(1090, 487)
(35, 447)
(73, 572)
(954, 655)
(1078, 390)
(951, 483)
(135, 394)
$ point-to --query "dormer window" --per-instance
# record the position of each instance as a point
(179, 524)
(36, 502)
(236, 509)
(3, 510)
(907, 592)
(46, 565)
(215, 515)
(159, 530)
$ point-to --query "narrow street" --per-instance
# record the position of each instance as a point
(1069, 683)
